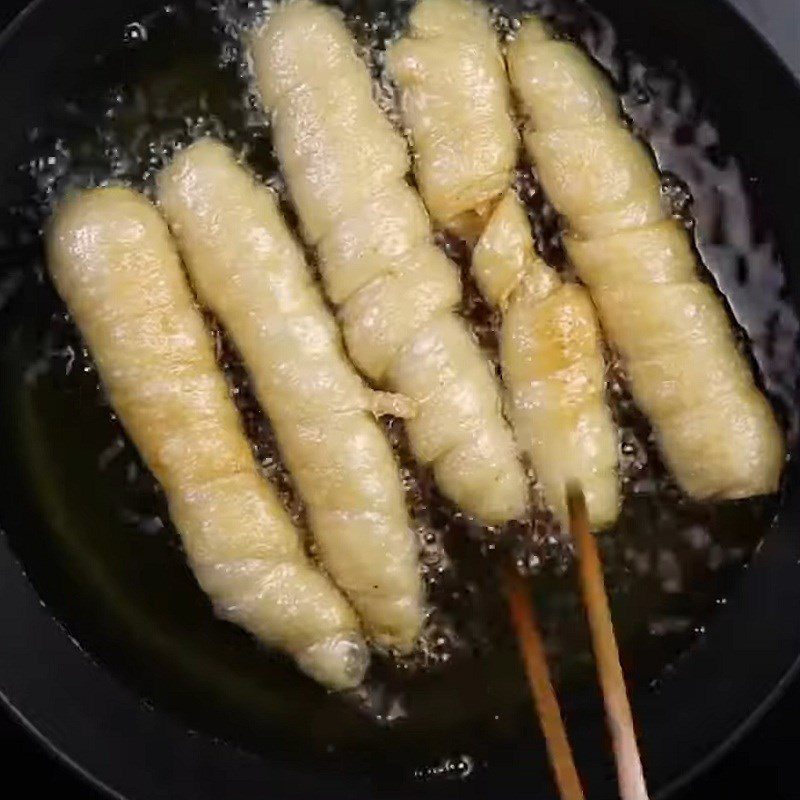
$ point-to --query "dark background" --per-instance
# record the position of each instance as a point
(755, 767)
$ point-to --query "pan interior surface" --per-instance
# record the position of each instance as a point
(182, 704)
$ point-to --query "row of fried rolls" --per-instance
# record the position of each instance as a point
(117, 268)
(716, 430)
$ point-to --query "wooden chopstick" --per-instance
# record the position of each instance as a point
(619, 719)
(630, 775)
(531, 647)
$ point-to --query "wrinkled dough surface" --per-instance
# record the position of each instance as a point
(716, 430)
(346, 174)
(552, 364)
(389, 231)
(114, 263)
(383, 315)
(320, 93)
(560, 86)
(599, 177)
(318, 126)
(249, 271)
(455, 100)
(662, 253)
(688, 375)
(462, 432)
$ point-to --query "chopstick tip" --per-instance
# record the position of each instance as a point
(576, 501)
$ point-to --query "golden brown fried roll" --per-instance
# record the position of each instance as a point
(552, 363)
(454, 97)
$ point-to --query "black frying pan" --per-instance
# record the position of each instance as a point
(155, 699)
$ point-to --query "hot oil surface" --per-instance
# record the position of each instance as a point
(178, 74)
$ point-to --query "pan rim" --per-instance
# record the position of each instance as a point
(11, 30)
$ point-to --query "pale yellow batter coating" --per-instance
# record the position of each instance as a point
(246, 268)
(346, 170)
(552, 362)
(716, 430)
(115, 265)
(454, 98)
